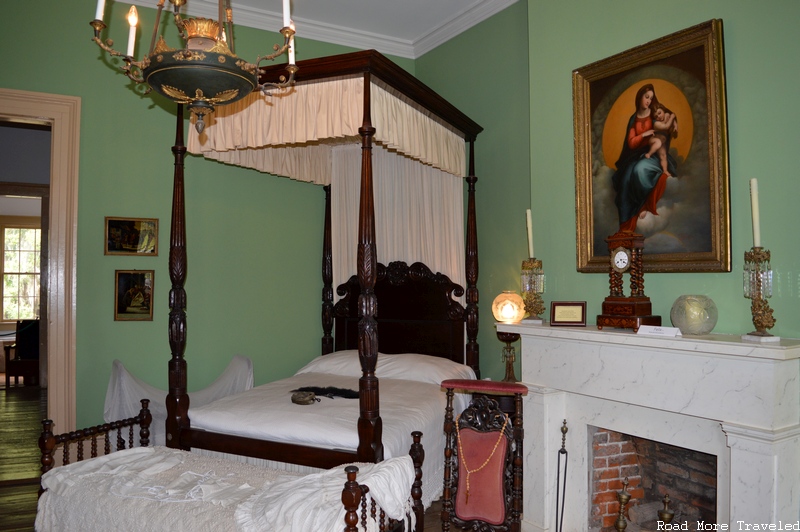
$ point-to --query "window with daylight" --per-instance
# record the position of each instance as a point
(21, 271)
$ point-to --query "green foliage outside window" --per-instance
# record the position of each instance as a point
(21, 272)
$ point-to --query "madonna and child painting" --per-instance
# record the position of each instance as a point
(651, 155)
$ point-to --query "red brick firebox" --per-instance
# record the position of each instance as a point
(614, 459)
(653, 469)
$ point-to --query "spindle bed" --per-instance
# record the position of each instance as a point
(138, 487)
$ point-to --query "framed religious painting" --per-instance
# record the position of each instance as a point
(651, 153)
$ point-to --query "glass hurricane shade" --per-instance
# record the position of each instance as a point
(508, 307)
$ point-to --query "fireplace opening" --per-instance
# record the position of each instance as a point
(653, 470)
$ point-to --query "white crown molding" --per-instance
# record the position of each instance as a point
(356, 38)
(459, 24)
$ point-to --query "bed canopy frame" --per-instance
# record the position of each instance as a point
(372, 67)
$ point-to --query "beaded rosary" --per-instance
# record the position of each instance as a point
(485, 463)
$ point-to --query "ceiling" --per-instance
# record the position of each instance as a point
(405, 28)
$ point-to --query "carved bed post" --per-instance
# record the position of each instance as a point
(327, 278)
(351, 497)
(471, 260)
(177, 398)
(370, 427)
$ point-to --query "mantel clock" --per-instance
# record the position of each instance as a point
(621, 311)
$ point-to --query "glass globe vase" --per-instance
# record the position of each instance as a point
(694, 314)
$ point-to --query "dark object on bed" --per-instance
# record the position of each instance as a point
(25, 362)
(329, 391)
(483, 459)
(305, 398)
(49, 442)
(371, 65)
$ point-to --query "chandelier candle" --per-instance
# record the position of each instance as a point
(101, 6)
(133, 20)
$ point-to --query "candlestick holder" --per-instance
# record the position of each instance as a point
(758, 288)
(532, 280)
(509, 355)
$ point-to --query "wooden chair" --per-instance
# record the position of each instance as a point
(483, 459)
(25, 362)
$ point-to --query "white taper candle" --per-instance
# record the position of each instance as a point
(286, 13)
(133, 20)
(755, 214)
(101, 6)
(291, 50)
(530, 233)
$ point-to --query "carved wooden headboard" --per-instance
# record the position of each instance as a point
(417, 312)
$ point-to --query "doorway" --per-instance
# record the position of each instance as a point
(62, 114)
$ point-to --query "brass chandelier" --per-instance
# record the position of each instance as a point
(206, 72)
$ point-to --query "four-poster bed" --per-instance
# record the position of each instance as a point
(399, 115)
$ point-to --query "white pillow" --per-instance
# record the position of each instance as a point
(421, 368)
(344, 363)
(408, 366)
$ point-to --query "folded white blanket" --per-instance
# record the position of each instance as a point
(310, 502)
(156, 488)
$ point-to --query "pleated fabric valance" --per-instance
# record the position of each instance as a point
(292, 134)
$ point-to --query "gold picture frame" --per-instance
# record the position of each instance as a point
(131, 236)
(679, 197)
(133, 295)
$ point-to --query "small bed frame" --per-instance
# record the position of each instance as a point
(71, 444)
(356, 315)
(357, 507)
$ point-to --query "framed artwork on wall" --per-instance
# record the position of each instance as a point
(651, 153)
(133, 295)
(131, 236)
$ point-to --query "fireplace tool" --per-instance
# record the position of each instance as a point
(666, 515)
(623, 497)
(561, 453)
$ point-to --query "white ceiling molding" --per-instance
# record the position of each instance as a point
(406, 42)
(460, 23)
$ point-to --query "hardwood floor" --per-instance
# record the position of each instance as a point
(22, 409)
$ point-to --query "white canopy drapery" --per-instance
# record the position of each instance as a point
(310, 133)
(291, 134)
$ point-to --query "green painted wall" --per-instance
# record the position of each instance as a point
(511, 73)
(238, 221)
(484, 72)
(762, 59)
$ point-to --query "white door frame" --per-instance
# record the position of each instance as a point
(63, 114)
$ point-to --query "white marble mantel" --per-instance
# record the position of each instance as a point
(717, 394)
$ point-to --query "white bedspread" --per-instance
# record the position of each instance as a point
(405, 406)
(155, 488)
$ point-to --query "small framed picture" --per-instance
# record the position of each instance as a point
(133, 295)
(131, 236)
(568, 313)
